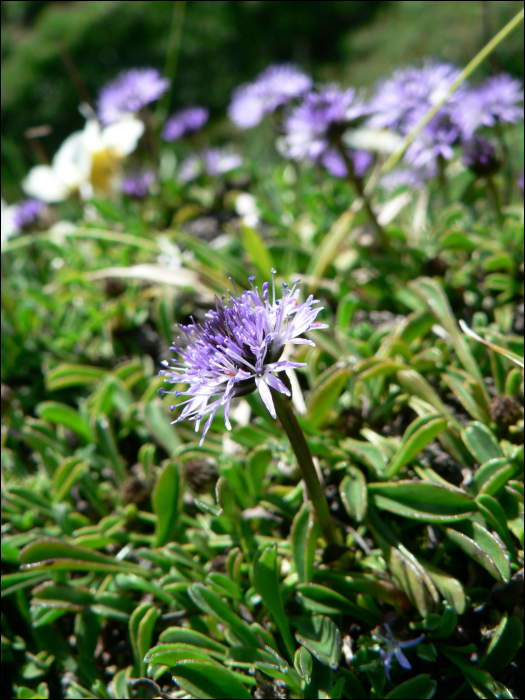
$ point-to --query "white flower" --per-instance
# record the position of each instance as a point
(9, 227)
(86, 162)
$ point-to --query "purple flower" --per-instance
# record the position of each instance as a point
(184, 122)
(27, 212)
(401, 101)
(275, 86)
(237, 349)
(406, 177)
(520, 181)
(496, 101)
(314, 128)
(218, 161)
(213, 162)
(129, 92)
(137, 185)
(480, 156)
(394, 648)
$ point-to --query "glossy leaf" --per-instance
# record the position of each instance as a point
(204, 679)
(323, 397)
(267, 585)
(324, 600)
(505, 641)
(416, 438)
(61, 414)
(304, 536)
(481, 442)
(322, 638)
(66, 375)
(354, 493)
(257, 251)
(165, 500)
(185, 635)
(484, 548)
(423, 500)
(159, 424)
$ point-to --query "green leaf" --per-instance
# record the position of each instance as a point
(67, 473)
(257, 464)
(170, 654)
(303, 664)
(257, 251)
(437, 303)
(304, 536)
(212, 604)
(159, 425)
(447, 625)
(418, 688)
(165, 500)
(494, 514)
(204, 679)
(267, 585)
(324, 600)
(486, 471)
(141, 624)
(322, 639)
(324, 396)
(247, 656)
(106, 440)
(185, 635)
(135, 582)
(483, 547)
(506, 639)
(417, 436)
(224, 585)
(61, 414)
(354, 493)
(457, 381)
(43, 553)
(423, 500)
(66, 375)
(481, 442)
(412, 578)
(449, 587)
(497, 481)
(370, 455)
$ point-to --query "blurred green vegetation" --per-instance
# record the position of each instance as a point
(56, 54)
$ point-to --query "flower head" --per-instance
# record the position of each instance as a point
(184, 122)
(129, 92)
(237, 350)
(87, 161)
(272, 88)
(401, 101)
(479, 155)
(394, 648)
(314, 129)
(137, 185)
(495, 101)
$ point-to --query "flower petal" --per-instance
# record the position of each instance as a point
(266, 395)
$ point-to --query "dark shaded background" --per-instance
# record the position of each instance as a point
(55, 54)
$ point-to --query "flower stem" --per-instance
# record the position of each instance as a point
(295, 434)
(358, 186)
(494, 196)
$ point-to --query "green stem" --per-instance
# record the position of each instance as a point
(494, 195)
(172, 56)
(299, 445)
(358, 185)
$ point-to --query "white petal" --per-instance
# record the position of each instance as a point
(266, 395)
(9, 228)
(123, 136)
(72, 161)
(42, 183)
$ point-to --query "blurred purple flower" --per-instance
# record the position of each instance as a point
(495, 101)
(334, 162)
(314, 128)
(520, 181)
(236, 351)
(213, 162)
(27, 212)
(218, 161)
(400, 102)
(138, 185)
(479, 155)
(184, 122)
(406, 177)
(275, 86)
(394, 648)
(129, 92)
